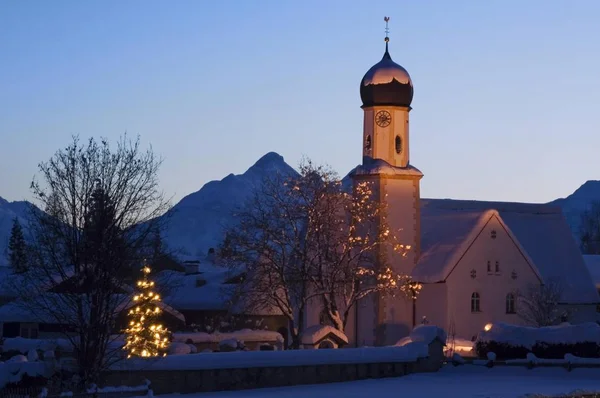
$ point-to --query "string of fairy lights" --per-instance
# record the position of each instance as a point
(144, 336)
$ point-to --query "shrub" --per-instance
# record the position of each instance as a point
(29, 382)
(6, 355)
(502, 350)
(266, 347)
(557, 351)
(540, 349)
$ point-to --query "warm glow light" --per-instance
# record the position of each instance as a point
(144, 337)
(487, 327)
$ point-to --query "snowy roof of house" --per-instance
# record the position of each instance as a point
(449, 226)
(205, 290)
(593, 265)
(13, 285)
(39, 310)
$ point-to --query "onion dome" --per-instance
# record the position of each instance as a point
(386, 83)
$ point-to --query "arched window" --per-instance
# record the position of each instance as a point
(475, 302)
(510, 303)
(368, 143)
(398, 144)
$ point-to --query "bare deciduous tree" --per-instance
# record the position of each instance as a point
(540, 306)
(590, 229)
(100, 207)
(268, 241)
(303, 238)
(352, 243)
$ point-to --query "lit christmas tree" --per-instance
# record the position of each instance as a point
(146, 337)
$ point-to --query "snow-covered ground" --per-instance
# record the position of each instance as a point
(460, 382)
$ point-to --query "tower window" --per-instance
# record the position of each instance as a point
(497, 267)
(475, 301)
(493, 234)
(510, 303)
(489, 267)
(398, 144)
(368, 143)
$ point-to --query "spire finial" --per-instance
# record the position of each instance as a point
(387, 31)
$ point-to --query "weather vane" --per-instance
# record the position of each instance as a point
(387, 29)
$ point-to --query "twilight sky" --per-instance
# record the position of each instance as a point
(505, 106)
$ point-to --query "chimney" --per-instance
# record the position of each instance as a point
(211, 256)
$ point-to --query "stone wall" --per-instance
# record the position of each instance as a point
(205, 380)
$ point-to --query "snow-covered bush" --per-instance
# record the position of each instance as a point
(18, 358)
(510, 341)
(179, 349)
(229, 345)
(424, 334)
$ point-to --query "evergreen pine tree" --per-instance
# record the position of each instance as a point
(17, 248)
(145, 337)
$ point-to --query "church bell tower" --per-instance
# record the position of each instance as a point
(386, 92)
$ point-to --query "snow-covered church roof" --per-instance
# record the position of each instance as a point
(592, 261)
(449, 226)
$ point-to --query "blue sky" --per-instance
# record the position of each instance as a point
(505, 107)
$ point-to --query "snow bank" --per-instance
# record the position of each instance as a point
(246, 335)
(528, 336)
(178, 349)
(423, 334)
(13, 371)
(231, 343)
(249, 359)
(315, 334)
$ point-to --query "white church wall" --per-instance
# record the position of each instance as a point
(367, 319)
(492, 287)
(402, 198)
(312, 312)
(400, 118)
(431, 303)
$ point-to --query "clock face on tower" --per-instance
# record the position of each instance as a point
(383, 118)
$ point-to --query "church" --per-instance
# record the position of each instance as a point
(471, 257)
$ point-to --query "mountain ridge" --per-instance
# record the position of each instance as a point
(196, 223)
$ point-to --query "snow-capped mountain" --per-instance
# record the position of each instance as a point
(8, 212)
(575, 204)
(196, 222)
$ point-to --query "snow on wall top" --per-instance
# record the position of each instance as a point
(251, 359)
(448, 227)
